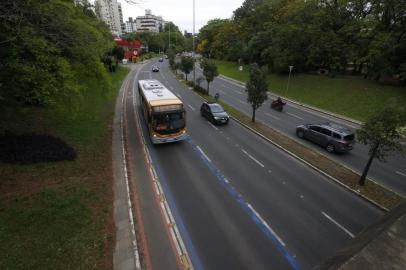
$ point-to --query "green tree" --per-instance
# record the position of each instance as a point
(50, 51)
(384, 133)
(186, 65)
(118, 53)
(207, 36)
(209, 72)
(256, 88)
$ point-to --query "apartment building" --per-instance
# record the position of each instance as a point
(149, 22)
(110, 12)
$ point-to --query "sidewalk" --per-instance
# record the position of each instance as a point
(125, 255)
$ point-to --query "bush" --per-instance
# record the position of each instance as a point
(200, 89)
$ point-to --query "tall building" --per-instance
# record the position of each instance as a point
(110, 12)
(149, 22)
(130, 25)
(120, 13)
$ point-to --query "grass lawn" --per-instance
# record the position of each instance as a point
(350, 96)
(58, 215)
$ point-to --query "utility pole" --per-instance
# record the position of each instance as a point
(287, 87)
(193, 41)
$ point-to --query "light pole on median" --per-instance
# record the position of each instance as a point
(193, 44)
(287, 87)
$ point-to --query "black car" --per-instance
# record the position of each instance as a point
(155, 69)
(214, 113)
(333, 137)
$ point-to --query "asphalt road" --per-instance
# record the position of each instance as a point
(241, 203)
(391, 174)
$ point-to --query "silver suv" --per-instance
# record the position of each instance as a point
(333, 137)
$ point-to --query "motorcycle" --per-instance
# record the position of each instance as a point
(277, 105)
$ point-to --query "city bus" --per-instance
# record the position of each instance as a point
(163, 112)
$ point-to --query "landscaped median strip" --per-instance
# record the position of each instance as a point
(373, 192)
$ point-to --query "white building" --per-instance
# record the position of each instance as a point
(110, 12)
(149, 22)
(130, 25)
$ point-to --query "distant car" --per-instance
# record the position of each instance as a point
(155, 69)
(161, 59)
(333, 137)
(166, 57)
(214, 113)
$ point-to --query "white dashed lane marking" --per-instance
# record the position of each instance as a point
(254, 159)
(294, 115)
(338, 225)
(274, 117)
(402, 174)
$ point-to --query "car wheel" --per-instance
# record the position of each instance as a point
(330, 148)
(300, 134)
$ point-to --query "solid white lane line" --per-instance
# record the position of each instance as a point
(242, 102)
(191, 107)
(402, 174)
(274, 117)
(205, 156)
(294, 115)
(254, 159)
(338, 224)
(266, 225)
(213, 126)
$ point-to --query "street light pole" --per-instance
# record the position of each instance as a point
(193, 41)
(169, 36)
(287, 87)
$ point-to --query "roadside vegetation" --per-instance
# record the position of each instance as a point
(56, 106)
(159, 42)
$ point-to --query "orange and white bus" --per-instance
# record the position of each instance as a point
(163, 112)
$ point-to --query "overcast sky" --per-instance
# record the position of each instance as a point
(181, 11)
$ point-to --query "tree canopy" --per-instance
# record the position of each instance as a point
(384, 133)
(186, 65)
(366, 37)
(49, 50)
(209, 71)
(256, 88)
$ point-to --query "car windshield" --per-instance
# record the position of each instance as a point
(216, 108)
(168, 122)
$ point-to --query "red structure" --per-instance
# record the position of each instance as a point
(132, 49)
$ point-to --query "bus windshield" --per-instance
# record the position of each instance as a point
(166, 123)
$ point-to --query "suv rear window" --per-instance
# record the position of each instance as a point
(349, 137)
